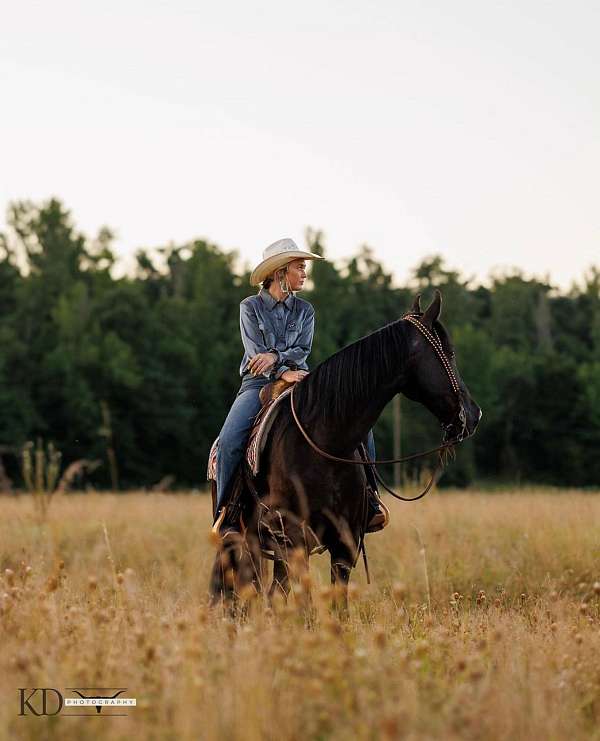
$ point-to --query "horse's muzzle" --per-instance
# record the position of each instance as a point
(464, 424)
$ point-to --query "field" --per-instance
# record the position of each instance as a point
(482, 622)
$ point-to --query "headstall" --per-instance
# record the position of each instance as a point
(432, 337)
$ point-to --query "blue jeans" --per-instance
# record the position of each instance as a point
(371, 445)
(235, 432)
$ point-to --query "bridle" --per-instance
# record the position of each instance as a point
(433, 339)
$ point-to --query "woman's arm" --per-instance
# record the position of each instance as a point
(253, 340)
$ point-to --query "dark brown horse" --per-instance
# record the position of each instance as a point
(301, 498)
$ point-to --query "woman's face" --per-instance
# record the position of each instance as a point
(296, 274)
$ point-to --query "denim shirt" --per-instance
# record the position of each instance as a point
(285, 328)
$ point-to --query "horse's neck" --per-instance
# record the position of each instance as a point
(358, 411)
(352, 428)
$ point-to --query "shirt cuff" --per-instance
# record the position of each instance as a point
(281, 371)
(271, 372)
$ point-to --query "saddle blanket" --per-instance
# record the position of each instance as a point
(256, 442)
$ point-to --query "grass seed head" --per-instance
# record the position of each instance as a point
(247, 592)
(380, 638)
(306, 581)
(399, 591)
(390, 728)
(231, 631)
(461, 664)
(353, 591)
(421, 648)
(333, 627)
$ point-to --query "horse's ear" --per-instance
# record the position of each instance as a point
(416, 307)
(432, 312)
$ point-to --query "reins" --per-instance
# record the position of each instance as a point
(360, 461)
(435, 342)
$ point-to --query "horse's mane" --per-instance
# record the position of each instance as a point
(336, 385)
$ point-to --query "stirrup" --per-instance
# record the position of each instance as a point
(219, 521)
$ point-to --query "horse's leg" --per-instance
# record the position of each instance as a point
(248, 574)
(281, 579)
(222, 580)
(237, 567)
(258, 580)
(296, 570)
(341, 566)
(301, 576)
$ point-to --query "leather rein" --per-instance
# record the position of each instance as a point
(433, 339)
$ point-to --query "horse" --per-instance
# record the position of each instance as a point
(307, 496)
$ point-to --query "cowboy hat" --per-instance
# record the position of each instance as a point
(276, 256)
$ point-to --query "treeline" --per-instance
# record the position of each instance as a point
(139, 372)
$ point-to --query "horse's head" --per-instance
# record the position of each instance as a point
(433, 378)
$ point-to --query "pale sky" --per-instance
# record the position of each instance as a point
(466, 128)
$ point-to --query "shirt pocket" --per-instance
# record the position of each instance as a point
(268, 337)
(292, 332)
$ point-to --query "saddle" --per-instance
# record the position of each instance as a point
(273, 390)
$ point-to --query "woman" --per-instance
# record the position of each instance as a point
(277, 331)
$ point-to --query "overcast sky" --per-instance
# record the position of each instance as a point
(466, 128)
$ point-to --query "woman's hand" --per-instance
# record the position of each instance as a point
(261, 363)
(293, 376)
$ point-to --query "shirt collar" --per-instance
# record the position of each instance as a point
(271, 303)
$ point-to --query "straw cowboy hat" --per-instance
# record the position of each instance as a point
(276, 256)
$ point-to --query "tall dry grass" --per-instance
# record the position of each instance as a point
(482, 622)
